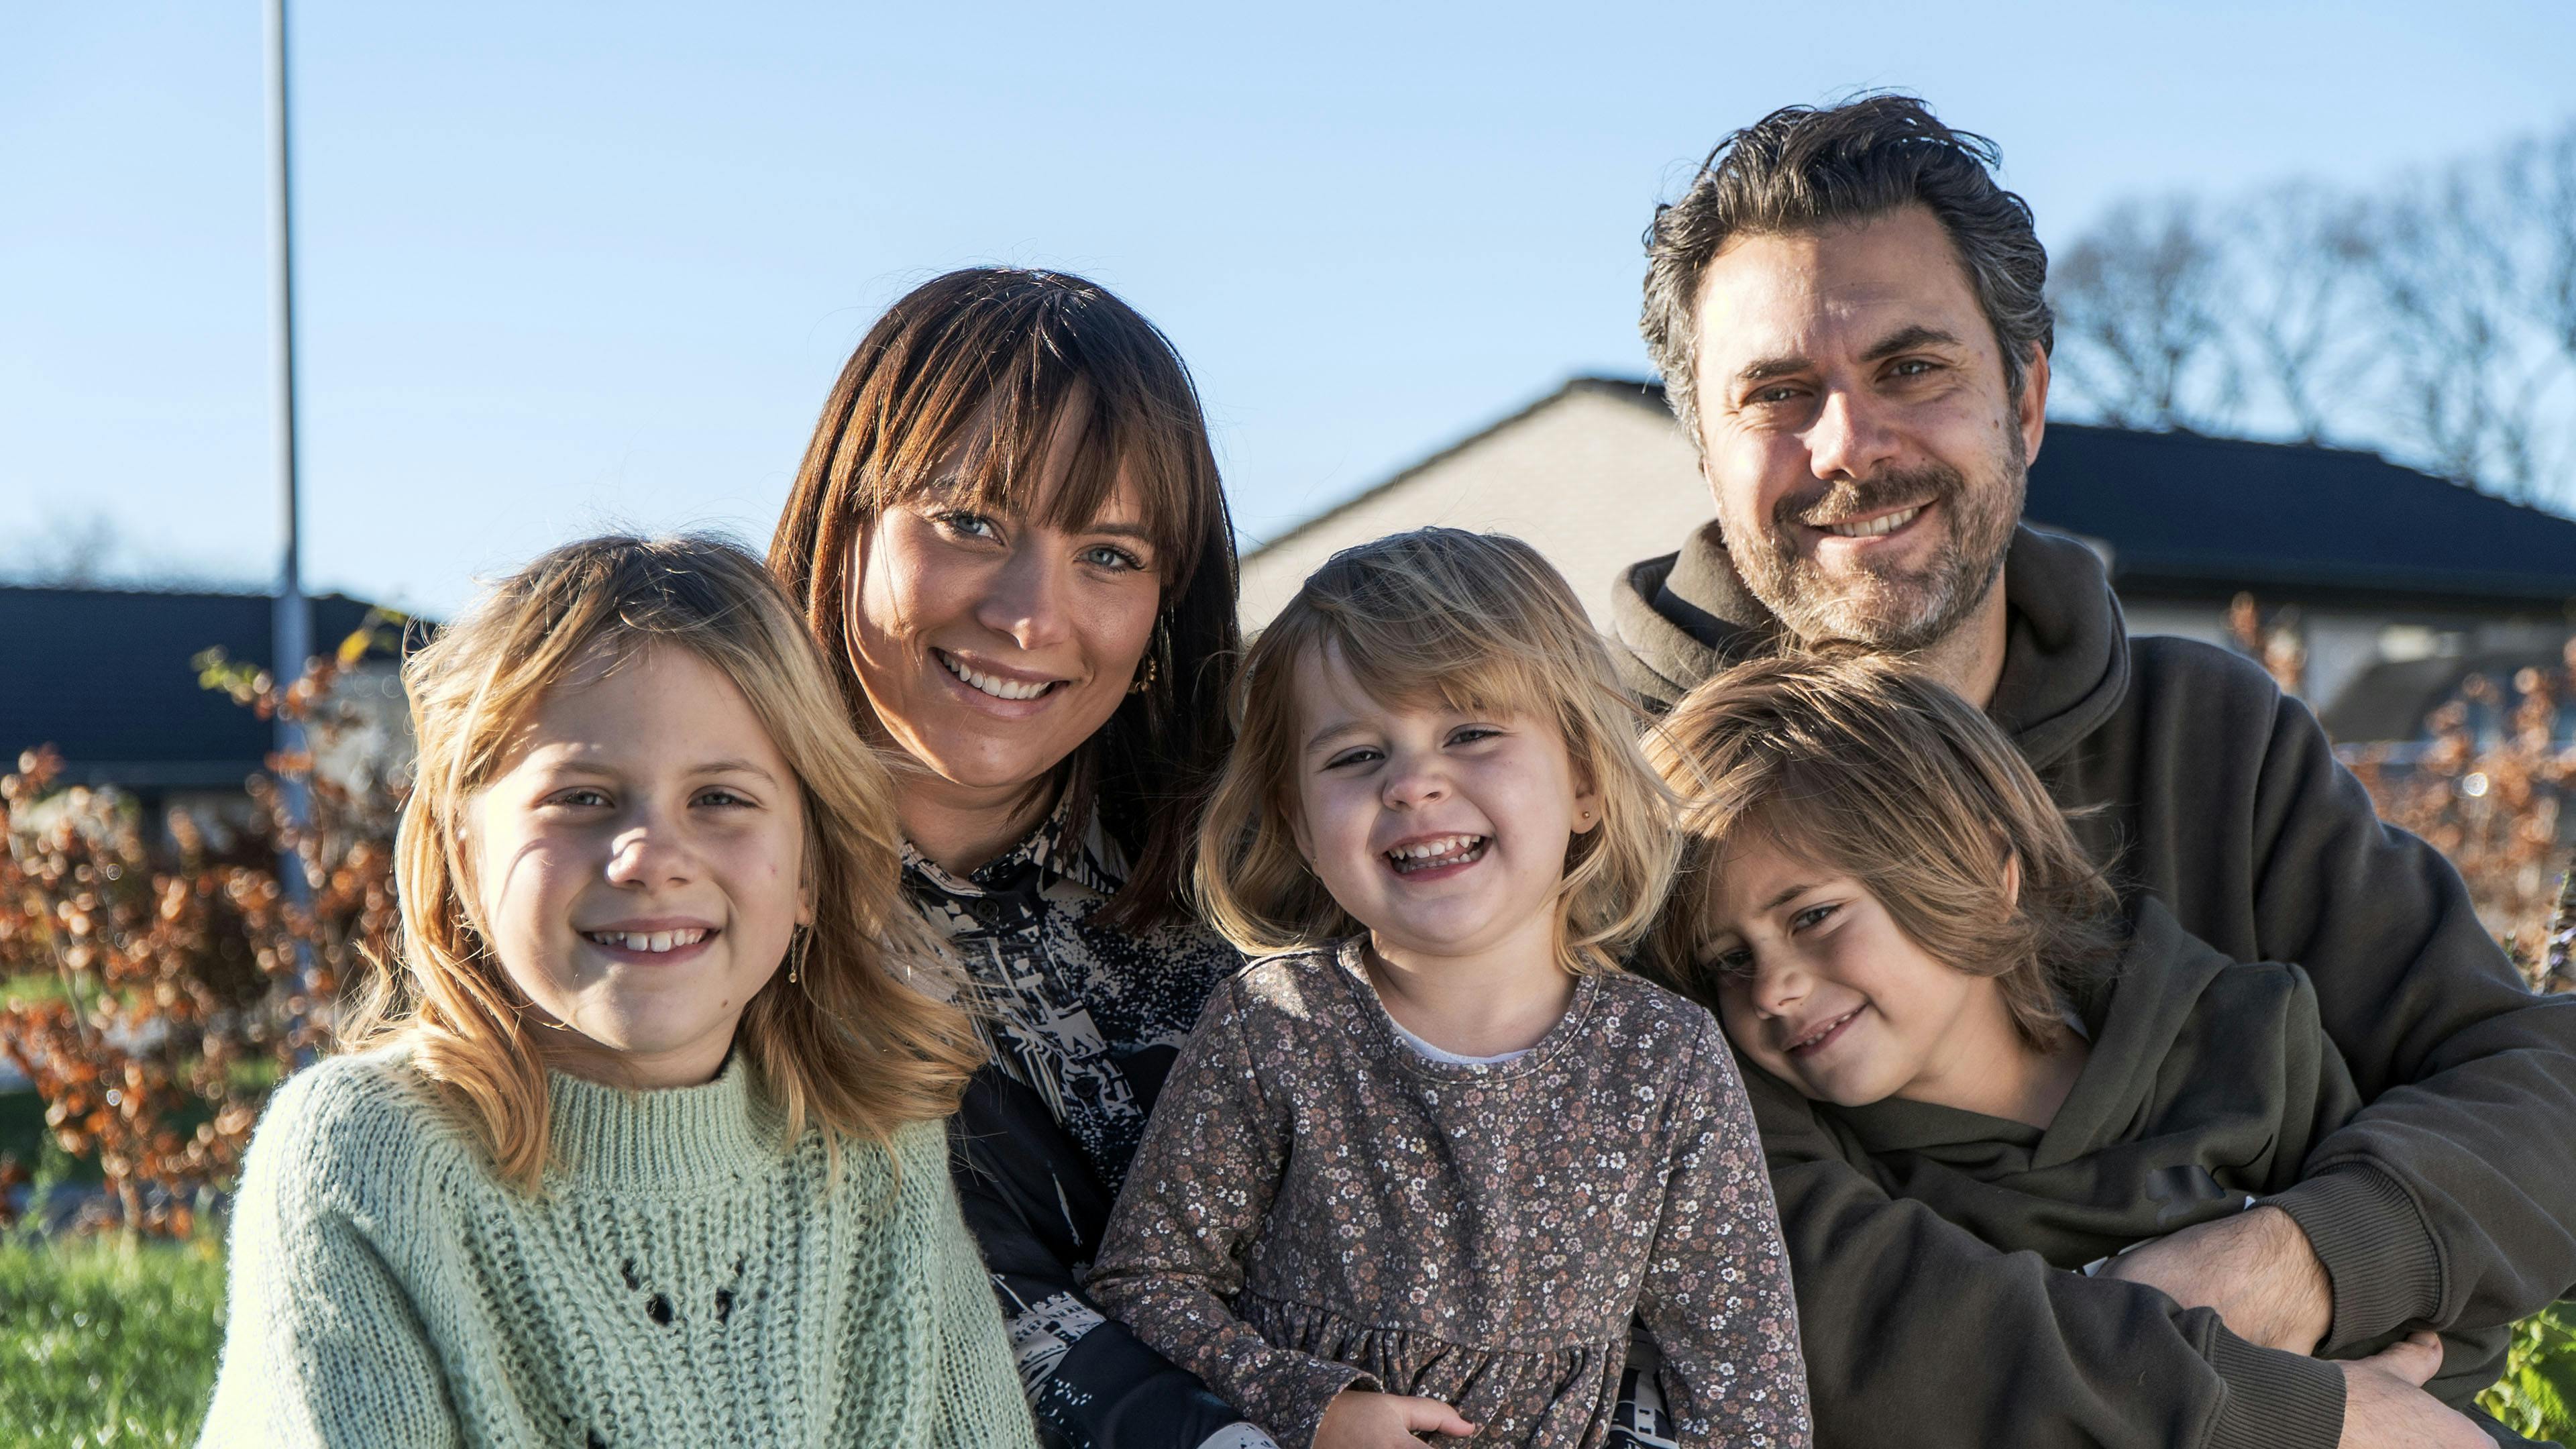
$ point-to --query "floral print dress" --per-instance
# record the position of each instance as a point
(1317, 1206)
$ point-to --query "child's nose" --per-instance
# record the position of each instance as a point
(647, 854)
(1778, 987)
(1415, 785)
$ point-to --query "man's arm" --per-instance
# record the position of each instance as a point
(1900, 1309)
(1027, 1196)
(2449, 1199)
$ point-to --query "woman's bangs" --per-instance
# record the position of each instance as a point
(988, 455)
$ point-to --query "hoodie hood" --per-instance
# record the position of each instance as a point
(2206, 1082)
(1678, 619)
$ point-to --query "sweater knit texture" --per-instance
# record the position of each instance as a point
(684, 1278)
(1317, 1207)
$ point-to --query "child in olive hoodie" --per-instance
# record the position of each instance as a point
(1894, 921)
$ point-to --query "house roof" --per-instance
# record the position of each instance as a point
(2196, 514)
(1650, 394)
(2183, 510)
(105, 676)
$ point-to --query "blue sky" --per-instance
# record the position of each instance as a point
(573, 266)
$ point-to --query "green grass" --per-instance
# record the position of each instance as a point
(107, 1344)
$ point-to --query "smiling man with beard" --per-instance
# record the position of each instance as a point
(1848, 314)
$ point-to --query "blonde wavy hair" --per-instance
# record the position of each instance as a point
(1471, 621)
(1861, 765)
(850, 1046)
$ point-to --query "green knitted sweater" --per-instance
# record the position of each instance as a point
(680, 1281)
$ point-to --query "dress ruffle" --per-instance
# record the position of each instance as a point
(1554, 1397)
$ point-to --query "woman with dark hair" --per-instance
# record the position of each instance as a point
(1009, 534)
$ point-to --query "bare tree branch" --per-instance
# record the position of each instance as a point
(2464, 264)
(2297, 265)
(2139, 321)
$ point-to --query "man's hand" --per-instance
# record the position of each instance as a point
(1358, 1419)
(2255, 1268)
(2385, 1406)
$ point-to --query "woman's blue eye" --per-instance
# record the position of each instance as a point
(1812, 915)
(721, 797)
(971, 525)
(1104, 556)
(580, 796)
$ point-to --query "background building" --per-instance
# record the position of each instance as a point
(108, 678)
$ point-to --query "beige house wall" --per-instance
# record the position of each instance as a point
(1593, 480)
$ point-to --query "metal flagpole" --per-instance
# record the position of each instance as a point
(291, 641)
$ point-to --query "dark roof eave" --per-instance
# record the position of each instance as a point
(2541, 591)
(162, 774)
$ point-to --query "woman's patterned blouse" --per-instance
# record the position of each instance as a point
(1317, 1207)
(1088, 1015)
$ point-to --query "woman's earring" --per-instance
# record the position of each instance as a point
(796, 953)
(1153, 669)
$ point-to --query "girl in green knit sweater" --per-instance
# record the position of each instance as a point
(642, 1140)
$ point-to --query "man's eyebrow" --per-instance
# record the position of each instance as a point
(1766, 368)
(1906, 339)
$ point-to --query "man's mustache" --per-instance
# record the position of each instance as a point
(1846, 498)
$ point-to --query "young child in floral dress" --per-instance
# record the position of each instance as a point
(1419, 1171)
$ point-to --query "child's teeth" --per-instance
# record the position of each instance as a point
(651, 941)
(1430, 849)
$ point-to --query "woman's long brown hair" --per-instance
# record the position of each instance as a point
(957, 391)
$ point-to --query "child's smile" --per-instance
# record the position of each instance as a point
(1809, 1041)
(1435, 857)
(658, 940)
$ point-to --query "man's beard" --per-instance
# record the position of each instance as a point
(1891, 611)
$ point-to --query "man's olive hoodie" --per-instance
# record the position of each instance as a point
(2446, 1201)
